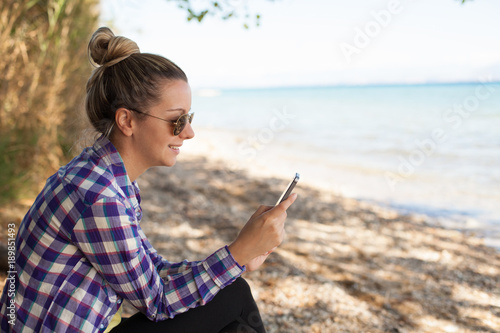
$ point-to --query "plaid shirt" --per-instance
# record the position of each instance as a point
(80, 251)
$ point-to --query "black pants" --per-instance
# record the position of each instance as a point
(232, 310)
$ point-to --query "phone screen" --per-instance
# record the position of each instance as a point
(288, 189)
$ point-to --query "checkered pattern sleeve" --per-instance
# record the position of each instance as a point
(110, 237)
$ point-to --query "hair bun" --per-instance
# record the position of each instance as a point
(106, 49)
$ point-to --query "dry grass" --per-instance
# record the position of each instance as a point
(43, 66)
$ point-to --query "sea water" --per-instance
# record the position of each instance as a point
(424, 149)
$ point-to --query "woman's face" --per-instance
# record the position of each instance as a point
(156, 143)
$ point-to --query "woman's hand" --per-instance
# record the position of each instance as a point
(257, 261)
(261, 234)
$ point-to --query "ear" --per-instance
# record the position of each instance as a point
(123, 120)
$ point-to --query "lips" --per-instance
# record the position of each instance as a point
(176, 148)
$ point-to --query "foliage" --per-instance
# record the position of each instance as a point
(223, 9)
(40, 86)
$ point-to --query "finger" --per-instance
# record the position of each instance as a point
(288, 202)
(261, 210)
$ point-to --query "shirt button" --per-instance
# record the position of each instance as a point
(119, 301)
(102, 326)
(138, 213)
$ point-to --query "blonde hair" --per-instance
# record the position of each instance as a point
(123, 77)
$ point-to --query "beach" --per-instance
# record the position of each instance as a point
(422, 149)
(345, 265)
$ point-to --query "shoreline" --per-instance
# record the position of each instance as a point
(334, 179)
(345, 265)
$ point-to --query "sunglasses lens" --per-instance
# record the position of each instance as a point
(181, 123)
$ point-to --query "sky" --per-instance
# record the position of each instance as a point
(320, 42)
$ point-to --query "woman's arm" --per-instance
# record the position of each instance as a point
(112, 241)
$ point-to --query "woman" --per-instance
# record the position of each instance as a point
(80, 250)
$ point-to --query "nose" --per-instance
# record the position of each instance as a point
(187, 133)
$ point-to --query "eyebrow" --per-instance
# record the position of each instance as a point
(176, 110)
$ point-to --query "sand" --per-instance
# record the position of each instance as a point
(345, 266)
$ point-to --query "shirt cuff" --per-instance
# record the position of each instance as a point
(222, 267)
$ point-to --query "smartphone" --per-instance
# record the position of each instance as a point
(288, 189)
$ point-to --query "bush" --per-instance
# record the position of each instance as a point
(44, 69)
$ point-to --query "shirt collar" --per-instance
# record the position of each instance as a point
(107, 151)
(111, 157)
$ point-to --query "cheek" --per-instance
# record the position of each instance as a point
(158, 135)
(161, 142)
(153, 142)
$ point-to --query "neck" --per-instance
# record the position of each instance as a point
(132, 167)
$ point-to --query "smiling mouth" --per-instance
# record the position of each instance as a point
(174, 147)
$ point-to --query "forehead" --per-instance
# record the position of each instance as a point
(174, 95)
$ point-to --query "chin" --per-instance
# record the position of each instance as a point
(170, 163)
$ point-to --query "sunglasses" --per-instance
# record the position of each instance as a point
(179, 124)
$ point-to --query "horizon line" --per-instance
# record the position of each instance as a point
(346, 85)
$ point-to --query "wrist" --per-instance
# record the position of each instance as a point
(238, 254)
